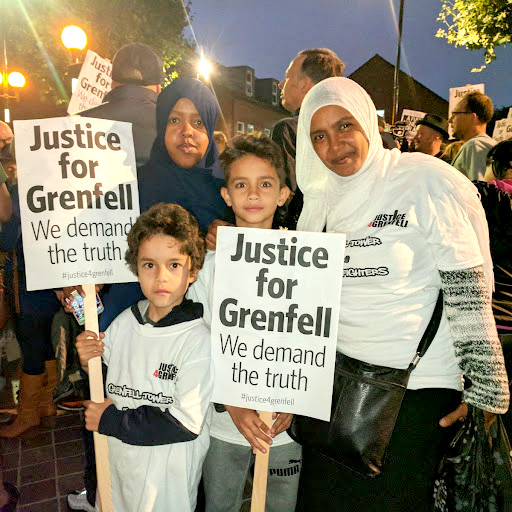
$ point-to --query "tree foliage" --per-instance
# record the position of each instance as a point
(477, 24)
(33, 29)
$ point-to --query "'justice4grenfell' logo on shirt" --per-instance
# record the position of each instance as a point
(387, 219)
(166, 372)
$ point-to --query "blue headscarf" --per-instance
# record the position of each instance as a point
(162, 180)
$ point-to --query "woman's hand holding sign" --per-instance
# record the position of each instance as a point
(248, 422)
(282, 422)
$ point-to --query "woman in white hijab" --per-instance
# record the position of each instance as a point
(414, 225)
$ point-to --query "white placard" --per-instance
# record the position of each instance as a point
(94, 81)
(411, 117)
(456, 94)
(78, 199)
(275, 319)
(502, 129)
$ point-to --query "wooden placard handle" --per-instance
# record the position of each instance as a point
(259, 486)
(97, 395)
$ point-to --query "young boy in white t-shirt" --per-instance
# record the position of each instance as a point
(254, 188)
(158, 371)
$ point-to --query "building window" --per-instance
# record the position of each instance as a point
(239, 127)
(248, 83)
(266, 131)
(275, 97)
(250, 128)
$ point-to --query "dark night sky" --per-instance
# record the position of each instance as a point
(267, 34)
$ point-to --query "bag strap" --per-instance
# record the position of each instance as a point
(429, 334)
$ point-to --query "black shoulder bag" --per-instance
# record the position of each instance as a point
(365, 405)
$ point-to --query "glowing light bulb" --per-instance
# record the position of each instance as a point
(16, 79)
(74, 37)
(204, 67)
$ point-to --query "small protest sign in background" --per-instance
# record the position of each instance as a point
(502, 129)
(275, 319)
(411, 117)
(78, 199)
(94, 81)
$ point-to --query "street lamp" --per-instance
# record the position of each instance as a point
(396, 79)
(75, 40)
(74, 37)
(204, 67)
(16, 79)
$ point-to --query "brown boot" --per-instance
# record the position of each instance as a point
(46, 404)
(28, 406)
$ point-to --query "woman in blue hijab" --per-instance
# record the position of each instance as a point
(183, 168)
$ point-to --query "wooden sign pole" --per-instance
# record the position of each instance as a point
(97, 395)
(259, 485)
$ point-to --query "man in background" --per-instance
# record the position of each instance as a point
(137, 72)
(307, 69)
(469, 122)
(432, 130)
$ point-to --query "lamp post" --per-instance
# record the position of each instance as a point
(15, 80)
(396, 84)
(75, 40)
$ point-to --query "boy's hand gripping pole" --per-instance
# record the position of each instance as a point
(97, 395)
(259, 487)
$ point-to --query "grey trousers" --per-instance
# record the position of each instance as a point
(227, 466)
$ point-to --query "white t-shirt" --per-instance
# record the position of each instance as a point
(426, 222)
(471, 157)
(159, 478)
(222, 426)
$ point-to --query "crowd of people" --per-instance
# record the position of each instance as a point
(326, 167)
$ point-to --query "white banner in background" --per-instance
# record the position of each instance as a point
(502, 129)
(94, 81)
(411, 117)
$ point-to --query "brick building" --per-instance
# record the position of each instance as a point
(247, 103)
(377, 76)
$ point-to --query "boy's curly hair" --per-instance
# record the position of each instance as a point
(171, 220)
(256, 144)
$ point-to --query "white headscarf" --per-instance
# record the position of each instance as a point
(344, 203)
(338, 202)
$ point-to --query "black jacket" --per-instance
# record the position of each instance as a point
(284, 134)
(498, 211)
(133, 104)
